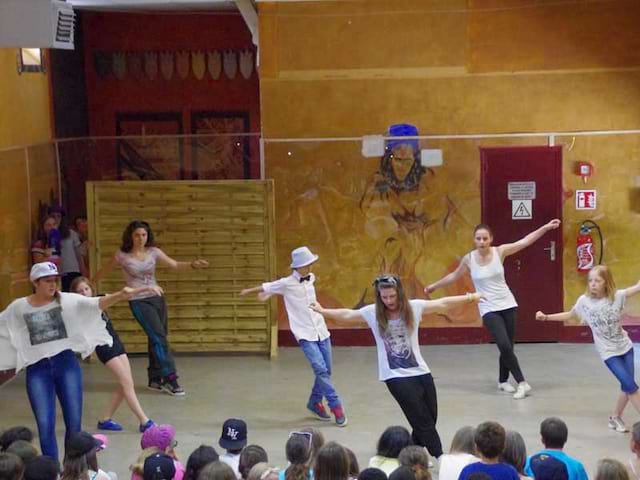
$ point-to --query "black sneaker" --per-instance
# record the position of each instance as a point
(155, 385)
(172, 387)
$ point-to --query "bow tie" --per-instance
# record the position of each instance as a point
(305, 279)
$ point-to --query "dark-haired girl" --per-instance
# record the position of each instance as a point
(498, 306)
(138, 257)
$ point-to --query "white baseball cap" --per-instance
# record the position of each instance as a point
(43, 269)
(301, 257)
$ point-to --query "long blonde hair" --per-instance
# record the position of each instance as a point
(391, 281)
(609, 285)
(138, 466)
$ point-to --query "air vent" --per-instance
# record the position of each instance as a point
(36, 24)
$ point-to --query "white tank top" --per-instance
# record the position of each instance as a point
(490, 283)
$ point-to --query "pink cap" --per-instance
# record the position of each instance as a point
(101, 438)
(160, 436)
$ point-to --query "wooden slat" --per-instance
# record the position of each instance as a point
(229, 223)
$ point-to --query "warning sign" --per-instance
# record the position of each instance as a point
(521, 210)
(521, 190)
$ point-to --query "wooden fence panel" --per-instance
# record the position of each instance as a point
(229, 223)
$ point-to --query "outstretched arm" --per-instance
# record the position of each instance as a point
(443, 304)
(556, 317)
(167, 261)
(247, 291)
(125, 294)
(449, 278)
(338, 314)
(631, 291)
(511, 248)
(105, 270)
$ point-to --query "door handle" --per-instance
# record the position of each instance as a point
(552, 250)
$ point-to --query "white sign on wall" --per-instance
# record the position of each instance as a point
(521, 210)
(586, 199)
(521, 190)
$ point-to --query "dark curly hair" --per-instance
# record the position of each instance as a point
(127, 240)
(410, 182)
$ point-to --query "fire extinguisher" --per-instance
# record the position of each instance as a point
(584, 246)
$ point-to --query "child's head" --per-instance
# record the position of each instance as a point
(138, 466)
(402, 473)
(317, 441)
(11, 467)
(600, 283)
(234, 435)
(372, 473)
(200, 457)
(302, 260)
(15, 433)
(25, 450)
(332, 463)
(634, 442)
(298, 451)
(515, 451)
(159, 466)
(217, 471)
(42, 468)
(392, 441)
(464, 441)
(251, 455)
(161, 436)
(82, 286)
(610, 469)
(80, 454)
(416, 458)
(354, 468)
(553, 433)
(489, 439)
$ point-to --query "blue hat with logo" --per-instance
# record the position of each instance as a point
(403, 130)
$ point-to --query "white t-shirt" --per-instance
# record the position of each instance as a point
(398, 350)
(451, 464)
(305, 324)
(69, 259)
(233, 461)
(603, 317)
(29, 334)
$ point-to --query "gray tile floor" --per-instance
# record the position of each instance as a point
(568, 380)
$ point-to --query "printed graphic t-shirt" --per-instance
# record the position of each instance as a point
(139, 273)
(603, 317)
(398, 349)
(29, 334)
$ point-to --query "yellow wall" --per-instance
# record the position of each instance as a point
(24, 116)
(335, 69)
(24, 120)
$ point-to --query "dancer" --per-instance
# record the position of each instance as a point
(394, 321)
(600, 307)
(498, 306)
(41, 332)
(115, 358)
(138, 256)
(309, 329)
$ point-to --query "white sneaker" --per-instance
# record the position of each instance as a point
(523, 389)
(616, 423)
(506, 387)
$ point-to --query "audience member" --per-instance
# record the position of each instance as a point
(233, 439)
(199, 458)
(42, 468)
(416, 458)
(372, 473)
(251, 454)
(159, 466)
(14, 433)
(11, 467)
(25, 450)
(297, 450)
(461, 453)
(553, 435)
(354, 467)
(164, 438)
(390, 444)
(332, 463)
(217, 471)
(489, 439)
(610, 469)
(515, 453)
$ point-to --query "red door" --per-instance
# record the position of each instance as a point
(522, 190)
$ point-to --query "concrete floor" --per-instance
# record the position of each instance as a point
(568, 380)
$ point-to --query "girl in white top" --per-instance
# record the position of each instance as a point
(601, 307)
(461, 454)
(394, 321)
(498, 306)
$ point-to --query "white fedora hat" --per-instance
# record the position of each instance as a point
(301, 257)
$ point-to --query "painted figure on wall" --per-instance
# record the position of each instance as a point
(399, 207)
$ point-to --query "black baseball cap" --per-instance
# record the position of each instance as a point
(81, 443)
(159, 466)
(234, 434)
(42, 468)
(547, 467)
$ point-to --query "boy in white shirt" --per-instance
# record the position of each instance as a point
(309, 328)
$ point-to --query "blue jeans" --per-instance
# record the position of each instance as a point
(59, 376)
(622, 367)
(319, 355)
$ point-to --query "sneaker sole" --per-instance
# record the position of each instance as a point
(343, 424)
(502, 390)
(615, 429)
(155, 389)
(172, 393)
(318, 417)
(109, 429)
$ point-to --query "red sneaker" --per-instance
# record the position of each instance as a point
(341, 419)
(318, 411)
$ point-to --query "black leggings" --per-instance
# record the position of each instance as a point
(502, 326)
(419, 403)
(151, 314)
